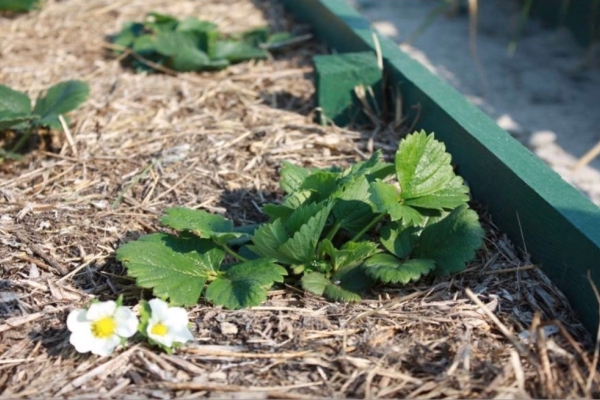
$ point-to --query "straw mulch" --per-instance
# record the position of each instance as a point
(142, 143)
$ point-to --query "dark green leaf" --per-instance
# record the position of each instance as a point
(278, 37)
(372, 169)
(267, 240)
(9, 119)
(321, 184)
(452, 241)
(351, 253)
(352, 209)
(161, 22)
(144, 45)
(389, 269)
(245, 284)
(398, 239)
(60, 99)
(352, 277)
(205, 32)
(15, 102)
(277, 211)
(334, 292)
(174, 267)
(18, 5)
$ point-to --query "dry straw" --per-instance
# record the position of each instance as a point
(216, 141)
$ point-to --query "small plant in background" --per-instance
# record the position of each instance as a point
(190, 44)
(18, 117)
(18, 5)
(337, 233)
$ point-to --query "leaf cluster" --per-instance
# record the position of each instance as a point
(18, 5)
(336, 233)
(18, 115)
(190, 44)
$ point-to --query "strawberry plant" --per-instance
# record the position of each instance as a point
(189, 44)
(336, 234)
(18, 116)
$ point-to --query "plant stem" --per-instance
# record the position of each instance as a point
(22, 140)
(233, 253)
(371, 224)
(334, 229)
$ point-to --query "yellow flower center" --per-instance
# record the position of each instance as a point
(159, 329)
(104, 327)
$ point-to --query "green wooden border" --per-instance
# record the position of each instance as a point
(557, 225)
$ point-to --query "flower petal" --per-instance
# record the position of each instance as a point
(101, 310)
(103, 347)
(127, 322)
(76, 319)
(82, 339)
(165, 340)
(159, 309)
(177, 317)
(181, 334)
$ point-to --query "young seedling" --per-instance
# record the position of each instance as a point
(189, 44)
(336, 234)
(17, 115)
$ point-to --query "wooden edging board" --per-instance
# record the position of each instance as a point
(540, 212)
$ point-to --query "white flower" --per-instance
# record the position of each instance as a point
(168, 325)
(99, 329)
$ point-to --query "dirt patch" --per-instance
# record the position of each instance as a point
(215, 141)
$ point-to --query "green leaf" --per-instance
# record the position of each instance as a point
(321, 184)
(245, 284)
(174, 267)
(372, 169)
(237, 51)
(352, 278)
(18, 5)
(206, 33)
(398, 239)
(10, 119)
(389, 269)
(315, 283)
(60, 99)
(273, 240)
(385, 198)
(126, 37)
(301, 247)
(144, 45)
(201, 223)
(13, 101)
(161, 22)
(337, 293)
(278, 37)
(452, 241)
(352, 208)
(423, 169)
(292, 176)
(351, 253)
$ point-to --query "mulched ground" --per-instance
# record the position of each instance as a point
(143, 143)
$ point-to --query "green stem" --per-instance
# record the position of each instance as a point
(371, 224)
(22, 140)
(233, 253)
(334, 229)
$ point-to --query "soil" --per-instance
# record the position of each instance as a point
(215, 141)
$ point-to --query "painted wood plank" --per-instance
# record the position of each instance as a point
(540, 212)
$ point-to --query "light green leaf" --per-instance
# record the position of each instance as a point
(337, 293)
(385, 198)
(245, 284)
(315, 283)
(398, 239)
(423, 169)
(372, 169)
(174, 267)
(13, 101)
(144, 45)
(452, 241)
(236, 51)
(321, 184)
(206, 33)
(292, 177)
(161, 22)
(389, 269)
(201, 223)
(60, 99)
(351, 253)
